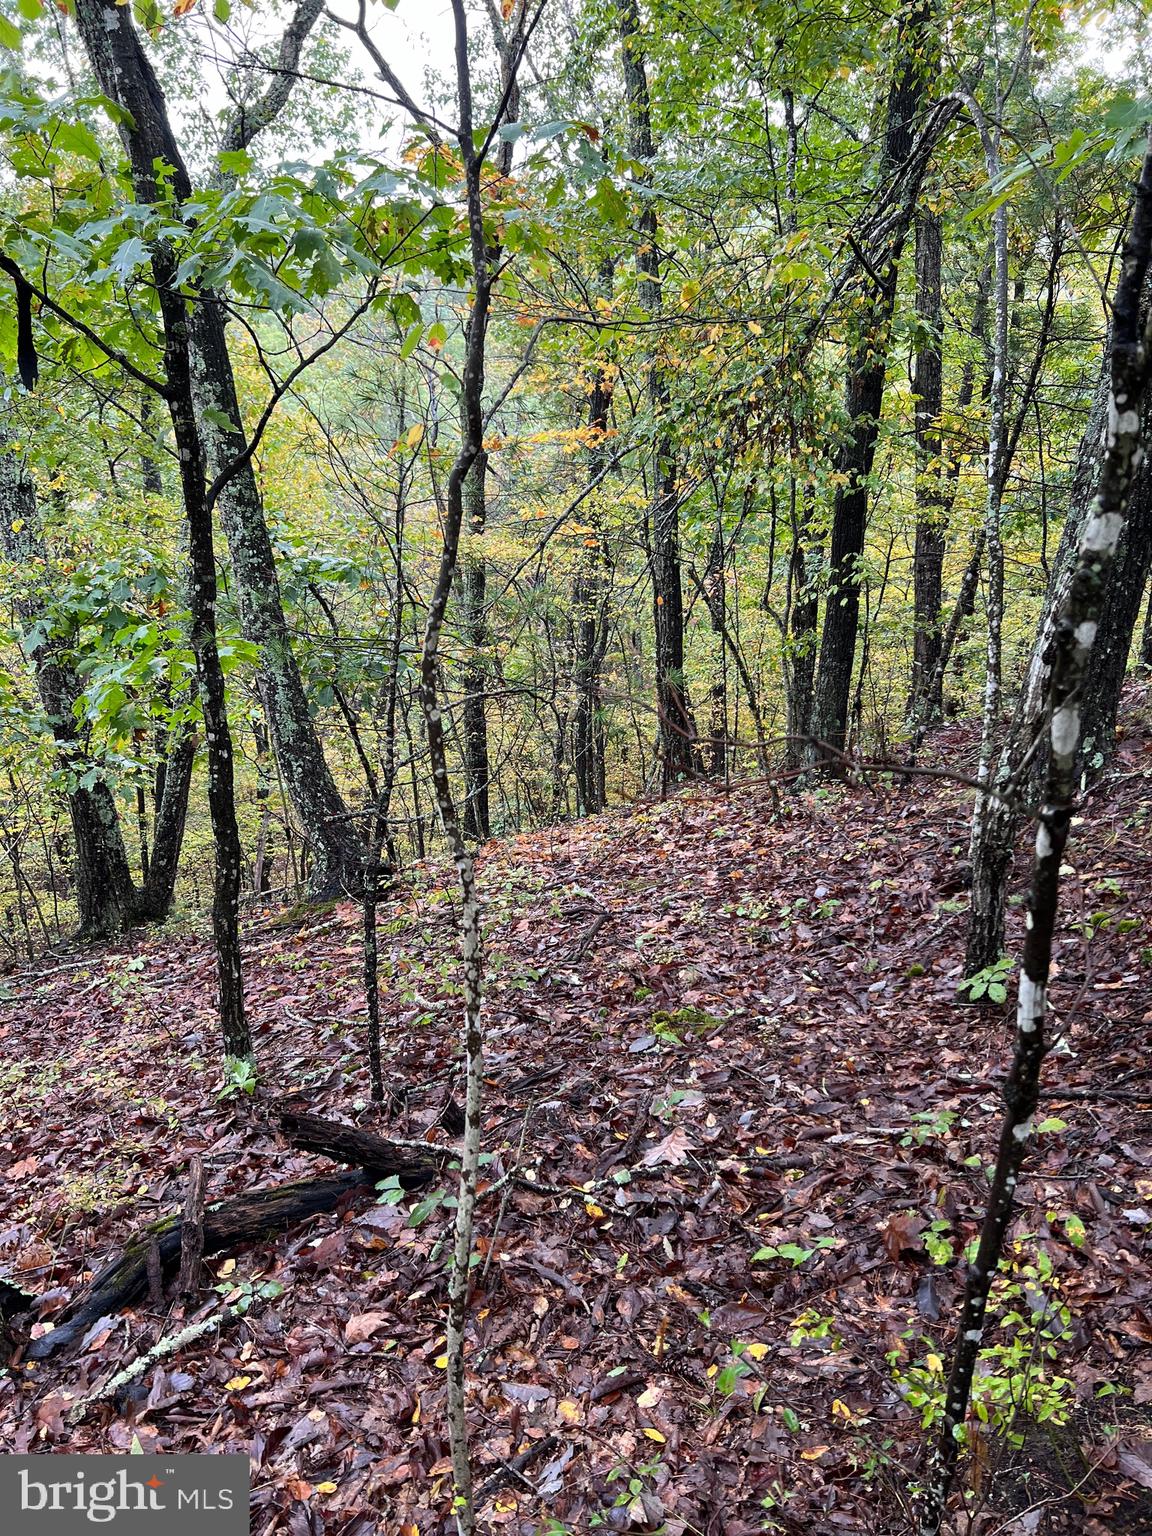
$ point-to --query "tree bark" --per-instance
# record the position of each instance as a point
(927, 694)
(337, 851)
(676, 744)
(477, 771)
(864, 398)
(126, 77)
(589, 604)
(1076, 630)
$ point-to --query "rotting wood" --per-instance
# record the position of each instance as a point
(234, 1222)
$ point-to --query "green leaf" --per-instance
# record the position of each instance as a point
(10, 34)
(221, 9)
(1051, 1124)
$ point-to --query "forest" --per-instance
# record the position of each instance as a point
(576, 760)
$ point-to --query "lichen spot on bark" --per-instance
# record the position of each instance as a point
(1065, 730)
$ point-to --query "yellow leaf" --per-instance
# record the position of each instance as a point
(441, 1362)
(238, 1383)
(325, 1487)
(226, 1268)
(840, 1409)
(757, 1351)
(415, 435)
(935, 1363)
(654, 1434)
(594, 1211)
(814, 1452)
(569, 1411)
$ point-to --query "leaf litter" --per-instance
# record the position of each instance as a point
(752, 1107)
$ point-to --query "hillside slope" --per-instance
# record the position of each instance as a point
(716, 1027)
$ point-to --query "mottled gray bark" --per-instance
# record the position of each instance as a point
(337, 850)
(1076, 629)
(931, 496)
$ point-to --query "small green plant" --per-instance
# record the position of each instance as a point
(239, 1077)
(392, 1192)
(936, 1245)
(990, 983)
(635, 1497)
(793, 1252)
(929, 1124)
(815, 1327)
(240, 1294)
(1014, 1374)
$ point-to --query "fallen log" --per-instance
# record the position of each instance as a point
(350, 1144)
(241, 1220)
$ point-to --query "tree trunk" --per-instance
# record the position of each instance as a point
(715, 597)
(477, 826)
(1076, 629)
(126, 77)
(676, 731)
(1023, 753)
(927, 695)
(1118, 619)
(105, 893)
(864, 399)
(589, 606)
(337, 851)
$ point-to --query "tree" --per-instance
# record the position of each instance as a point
(107, 897)
(126, 77)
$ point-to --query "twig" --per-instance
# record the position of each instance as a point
(167, 1346)
(513, 1471)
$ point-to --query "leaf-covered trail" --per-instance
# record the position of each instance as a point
(740, 1032)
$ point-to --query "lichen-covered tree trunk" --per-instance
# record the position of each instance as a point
(1118, 620)
(1023, 754)
(474, 592)
(1075, 631)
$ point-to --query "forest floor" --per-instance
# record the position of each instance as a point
(714, 1030)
